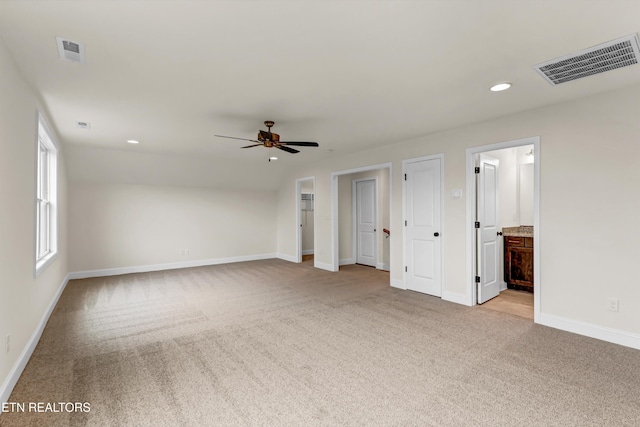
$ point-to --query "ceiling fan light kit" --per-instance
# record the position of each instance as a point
(269, 139)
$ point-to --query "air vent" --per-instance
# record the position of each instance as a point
(598, 59)
(70, 50)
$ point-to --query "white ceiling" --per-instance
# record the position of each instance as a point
(347, 74)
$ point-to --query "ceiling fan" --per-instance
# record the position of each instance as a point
(272, 140)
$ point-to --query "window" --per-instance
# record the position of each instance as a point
(46, 213)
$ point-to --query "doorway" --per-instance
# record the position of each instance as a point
(344, 216)
(305, 219)
(502, 211)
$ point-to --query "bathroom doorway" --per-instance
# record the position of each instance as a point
(502, 208)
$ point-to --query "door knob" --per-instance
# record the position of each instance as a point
(436, 234)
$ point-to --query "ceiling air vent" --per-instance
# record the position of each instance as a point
(70, 50)
(598, 59)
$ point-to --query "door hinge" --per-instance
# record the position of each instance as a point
(477, 279)
(405, 176)
(477, 224)
(477, 170)
(405, 222)
(405, 268)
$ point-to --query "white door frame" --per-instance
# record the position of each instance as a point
(442, 217)
(470, 217)
(298, 215)
(354, 215)
(335, 236)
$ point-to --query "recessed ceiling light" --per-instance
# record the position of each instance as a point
(133, 141)
(500, 87)
(273, 158)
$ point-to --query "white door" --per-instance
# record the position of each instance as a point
(423, 247)
(366, 247)
(488, 244)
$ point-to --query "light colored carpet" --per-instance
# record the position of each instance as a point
(274, 343)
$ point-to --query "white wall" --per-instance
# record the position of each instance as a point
(127, 164)
(507, 183)
(525, 186)
(306, 186)
(510, 185)
(127, 225)
(590, 170)
(23, 298)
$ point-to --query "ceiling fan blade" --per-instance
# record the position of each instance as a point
(233, 137)
(287, 149)
(249, 146)
(300, 143)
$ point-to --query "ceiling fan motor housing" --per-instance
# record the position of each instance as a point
(264, 136)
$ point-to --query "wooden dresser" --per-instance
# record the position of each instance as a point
(518, 261)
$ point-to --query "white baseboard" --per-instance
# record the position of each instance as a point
(347, 261)
(323, 266)
(503, 286)
(286, 257)
(611, 335)
(380, 266)
(15, 372)
(398, 283)
(167, 266)
(307, 252)
(457, 298)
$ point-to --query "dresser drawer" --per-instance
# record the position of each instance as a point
(528, 242)
(514, 241)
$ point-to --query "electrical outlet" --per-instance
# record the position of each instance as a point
(7, 343)
(613, 304)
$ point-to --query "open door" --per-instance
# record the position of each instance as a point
(487, 221)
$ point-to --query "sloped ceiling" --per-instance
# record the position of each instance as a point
(348, 74)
